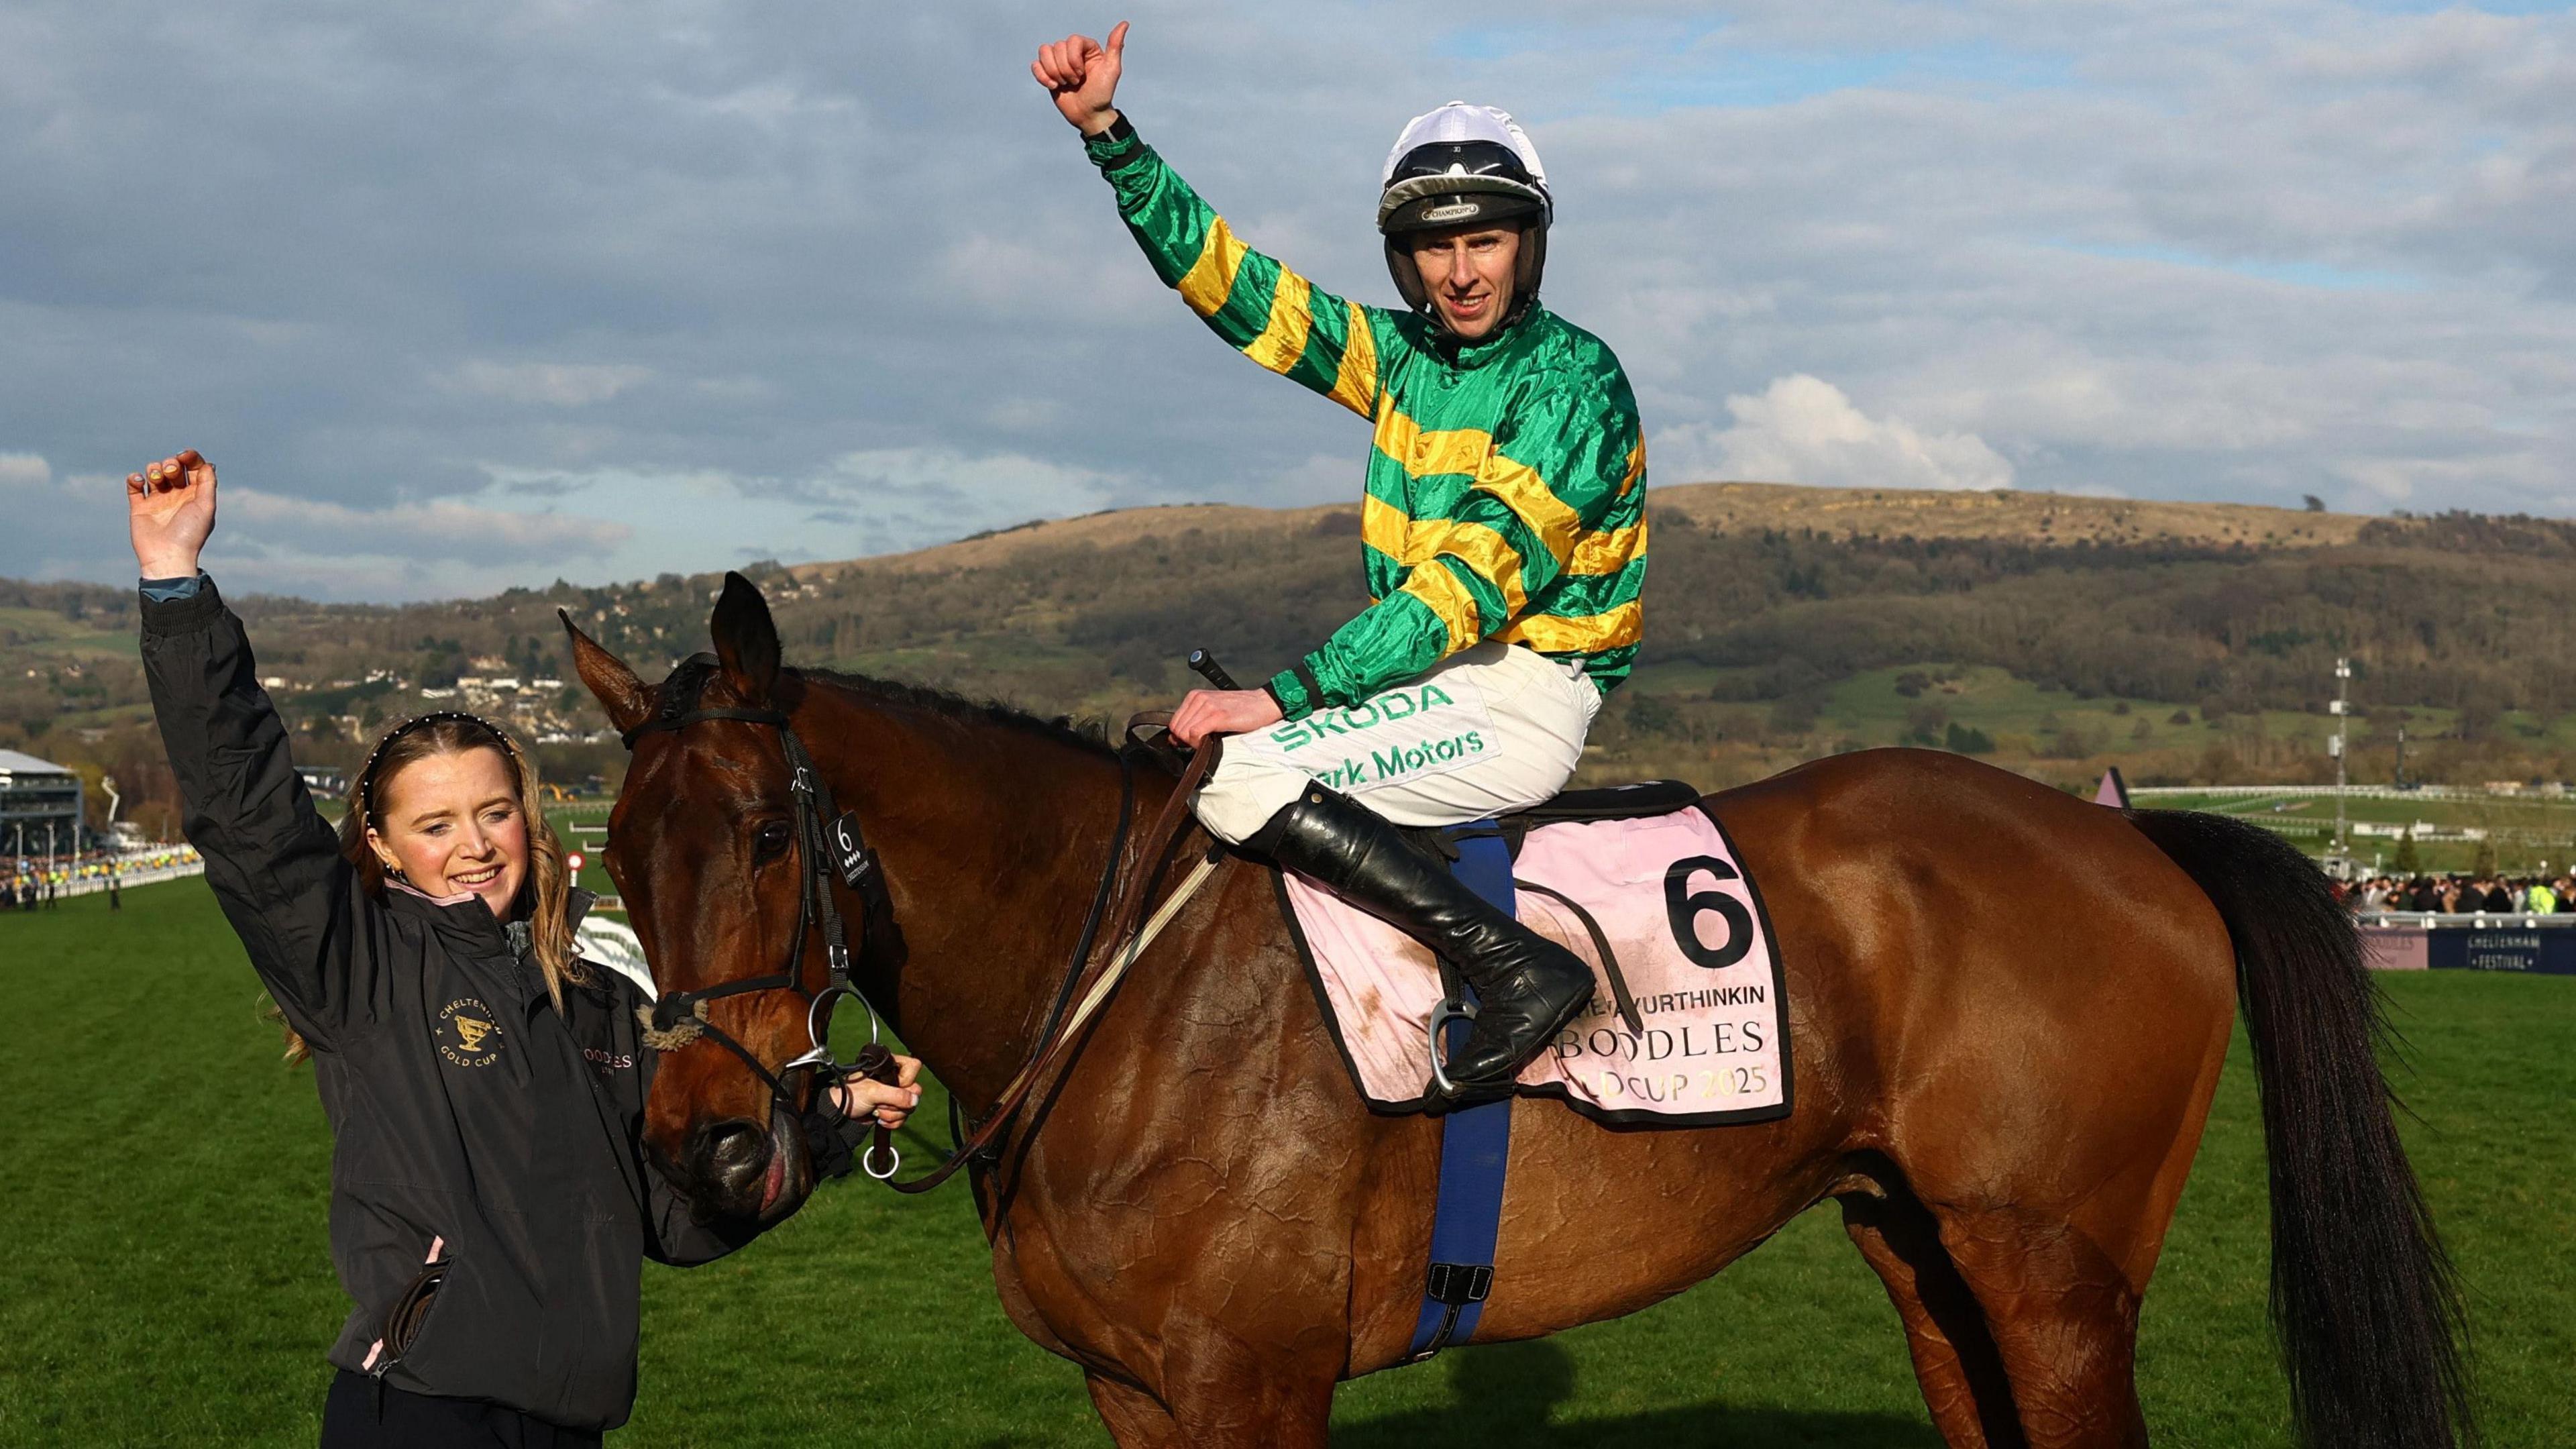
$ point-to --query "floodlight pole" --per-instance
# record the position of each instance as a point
(2342, 710)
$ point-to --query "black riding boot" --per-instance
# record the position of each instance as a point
(1527, 986)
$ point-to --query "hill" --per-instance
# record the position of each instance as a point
(2054, 634)
(1845, 513)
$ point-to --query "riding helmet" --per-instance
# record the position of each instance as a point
(1464, 165)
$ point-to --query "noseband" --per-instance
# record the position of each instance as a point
(827, 843)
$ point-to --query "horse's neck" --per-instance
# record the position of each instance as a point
(992, 840)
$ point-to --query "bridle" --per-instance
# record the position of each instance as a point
(827, 843)
(830, 843)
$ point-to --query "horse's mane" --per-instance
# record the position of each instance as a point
(1087, 735)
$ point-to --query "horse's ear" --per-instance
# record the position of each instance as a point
(614, 685)
(746, 639)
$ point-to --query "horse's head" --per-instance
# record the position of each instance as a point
(704, 847)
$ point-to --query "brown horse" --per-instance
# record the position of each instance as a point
(2008, 1008)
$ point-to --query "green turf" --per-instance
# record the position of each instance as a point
(165, 1279)
(2531, 833)
(64, 640)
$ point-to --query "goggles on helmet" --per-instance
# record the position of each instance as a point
(1458, 183)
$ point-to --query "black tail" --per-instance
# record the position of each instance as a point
(2364, 1300)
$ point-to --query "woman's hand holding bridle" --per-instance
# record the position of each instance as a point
(887, 1106)
(170, 509)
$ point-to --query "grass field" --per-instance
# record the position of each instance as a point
(2529, 834)
(165, 1280)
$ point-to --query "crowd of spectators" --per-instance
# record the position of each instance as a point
(28, 884)
(2460, 895)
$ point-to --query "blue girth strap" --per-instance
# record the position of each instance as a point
(1475, 1148)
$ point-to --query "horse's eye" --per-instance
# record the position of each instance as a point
(771, 843)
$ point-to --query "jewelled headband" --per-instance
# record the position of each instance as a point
(367, 771)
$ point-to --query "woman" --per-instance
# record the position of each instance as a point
(490, 1208)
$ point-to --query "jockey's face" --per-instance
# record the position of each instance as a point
(1468, 273)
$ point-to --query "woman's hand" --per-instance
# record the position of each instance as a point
(1082, 75)
(1208, 712)
(170, 509)
(858, 1097)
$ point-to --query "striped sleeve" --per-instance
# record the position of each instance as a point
(1546, 501)
(1262, 309)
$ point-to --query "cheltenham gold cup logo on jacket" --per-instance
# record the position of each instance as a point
(468, 1033)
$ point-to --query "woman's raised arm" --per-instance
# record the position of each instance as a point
(272, 859)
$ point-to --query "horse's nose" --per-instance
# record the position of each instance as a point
(733, 1158)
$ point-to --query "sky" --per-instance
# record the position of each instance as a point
(476, 294)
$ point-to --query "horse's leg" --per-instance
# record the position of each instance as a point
(1963, 1379)
(2065, 1322)
(1135, 1419)
(1222, 1389)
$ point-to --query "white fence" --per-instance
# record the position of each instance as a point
(612, 944)
(2357, 792)
(132, 876)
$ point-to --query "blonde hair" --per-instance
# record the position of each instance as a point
(543, 896)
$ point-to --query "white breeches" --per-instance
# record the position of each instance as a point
(1489, 730)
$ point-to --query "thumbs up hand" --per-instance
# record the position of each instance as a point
(1082, 75)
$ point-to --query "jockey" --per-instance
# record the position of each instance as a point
(1504, 541)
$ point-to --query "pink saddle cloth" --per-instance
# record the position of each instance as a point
(1677, 910)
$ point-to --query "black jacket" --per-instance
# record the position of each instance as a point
(465, 1111)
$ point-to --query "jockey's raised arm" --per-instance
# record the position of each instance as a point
(1262, 309)
(1503, 532)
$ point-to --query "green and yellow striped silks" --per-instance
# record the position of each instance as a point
(1506, 486)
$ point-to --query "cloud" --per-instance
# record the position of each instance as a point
(867, 501)
(561, 384)
(267, 542)
(1033, 278)
(819, 284)
(440, 529)
(24, 470)
(1803, 429)
(2415, 482)
(906, 497)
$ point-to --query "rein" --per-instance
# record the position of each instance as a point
(1090, 981)
(831, 843)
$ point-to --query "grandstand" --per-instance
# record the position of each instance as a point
(40, 806)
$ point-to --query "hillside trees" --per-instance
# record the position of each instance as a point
(2459, 614)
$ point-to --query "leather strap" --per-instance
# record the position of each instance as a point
(1627, 1004)
(1475, 1153)
(1100, 898)
(677, 721)
(1135, 888)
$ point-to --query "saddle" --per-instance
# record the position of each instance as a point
(1641, 800)
(1610, 802)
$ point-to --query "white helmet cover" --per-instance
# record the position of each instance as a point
(1460, 124)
